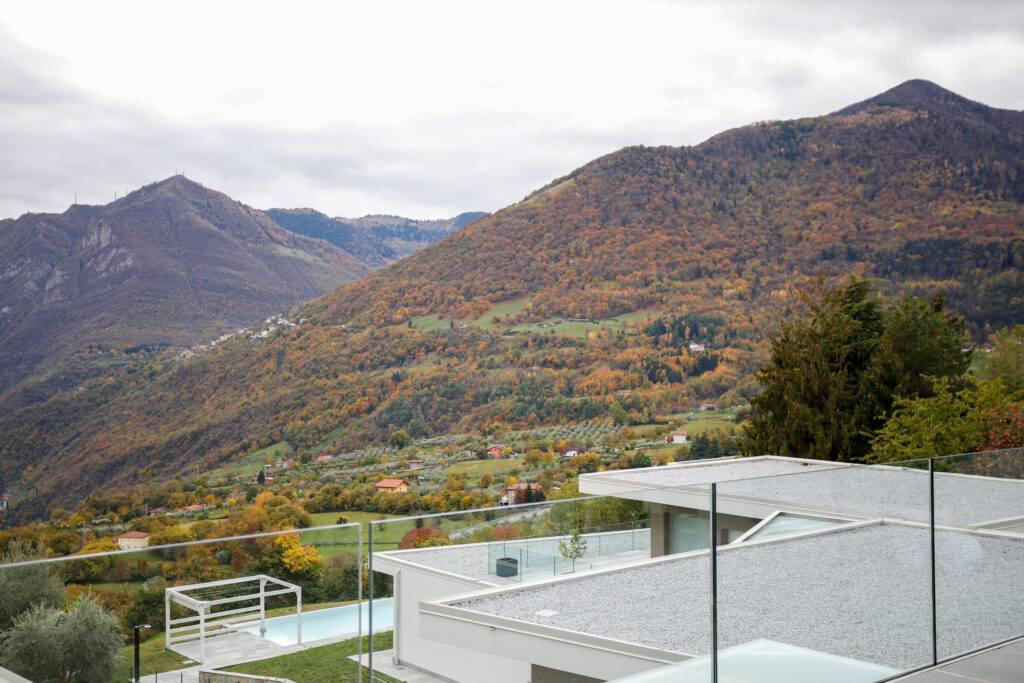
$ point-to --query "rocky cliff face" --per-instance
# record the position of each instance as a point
(172, 263)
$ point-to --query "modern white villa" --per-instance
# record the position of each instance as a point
(821, 572)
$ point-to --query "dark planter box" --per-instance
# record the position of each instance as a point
(506, 566)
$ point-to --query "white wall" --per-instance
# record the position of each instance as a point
(575, 653)
(414, 648)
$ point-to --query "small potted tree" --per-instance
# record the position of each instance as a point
(573, 548)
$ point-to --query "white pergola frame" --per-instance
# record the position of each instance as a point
(226, 621)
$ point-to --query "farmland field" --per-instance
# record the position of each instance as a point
(475, 468)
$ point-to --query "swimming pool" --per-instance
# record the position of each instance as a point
(332, 622)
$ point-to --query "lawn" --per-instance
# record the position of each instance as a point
(429, 323)
(152, 656)
(627, 322)
(499, 310)
(250, 465)
(474, 468)
(705, 425)
(331, 438)
(131, 586)
(385, 536)
(327, 663)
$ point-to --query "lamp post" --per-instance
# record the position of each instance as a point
(138, 627)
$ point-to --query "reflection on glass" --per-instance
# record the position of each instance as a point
(979, 550)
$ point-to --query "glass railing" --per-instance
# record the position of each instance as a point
(892, 568)
(832, 603)
(979, 564)
(525, 542)
(204, 603)
(823, 572)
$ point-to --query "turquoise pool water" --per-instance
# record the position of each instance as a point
(326, 623)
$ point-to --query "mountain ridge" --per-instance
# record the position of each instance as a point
(645, 281)
(375, 239)
(170, 263)
(922, 94)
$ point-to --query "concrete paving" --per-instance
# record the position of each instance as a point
(1002, 664)
(383, 664)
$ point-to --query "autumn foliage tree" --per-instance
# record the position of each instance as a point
(424, 537)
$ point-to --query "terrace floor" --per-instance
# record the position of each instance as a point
(1001, 664)
(383, 663)
(232, 649)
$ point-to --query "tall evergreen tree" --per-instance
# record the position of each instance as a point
(835, 372)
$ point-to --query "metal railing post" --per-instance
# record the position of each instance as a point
(298, 615)
(263, 608)
(931, 537)
(202, 633)
(370, 584)
(359, 599)
(167, 621)
(713, 523)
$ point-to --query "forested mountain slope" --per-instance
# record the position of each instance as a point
(374, 240)
(676, 264)
(918, 186)
(172, 263)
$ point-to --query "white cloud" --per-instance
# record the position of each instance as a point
(428, 109)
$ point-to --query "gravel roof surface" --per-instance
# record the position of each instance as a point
(892, 492)
(695, 474)
(861, 593)
(468, 560)
(872, 491)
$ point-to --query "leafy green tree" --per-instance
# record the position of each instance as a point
(920, 341)
(22, 587)
(835, 372)
(947, 423)
(148, 605)
(340, 578)
(704, 447)
(91, 568)
(169, 535)
(1006, 360)
(573, 548)
(399, 439)
(48, 645)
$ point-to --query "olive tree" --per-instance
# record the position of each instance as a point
(48, 645)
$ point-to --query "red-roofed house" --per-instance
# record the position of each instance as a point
(132, 540)
(516, 493)
(392, 485)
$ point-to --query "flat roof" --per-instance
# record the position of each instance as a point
(703, 472)
(869, 491)
(473, 560)
(469, 560)
(861, 593)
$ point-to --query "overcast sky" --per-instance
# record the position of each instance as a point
(427, 109)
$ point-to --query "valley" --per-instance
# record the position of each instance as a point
(648, 282)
